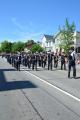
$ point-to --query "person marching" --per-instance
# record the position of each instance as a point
(33, 61)
(39, 60)
(44, 60)
(55, 60)
(63, 62)
(71, 63)
(50, 58)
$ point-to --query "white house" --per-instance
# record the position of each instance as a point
(57, 42)
(52, 42)
(48, 42)
(76, 41)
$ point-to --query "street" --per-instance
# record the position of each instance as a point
(38, 95)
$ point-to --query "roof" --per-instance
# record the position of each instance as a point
(78, 31)
(60, 33)
(49, 37)
(57, 34)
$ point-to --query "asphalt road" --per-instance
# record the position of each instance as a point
(38, 95)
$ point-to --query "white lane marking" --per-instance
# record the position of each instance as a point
(63, 91)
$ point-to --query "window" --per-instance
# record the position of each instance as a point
(49, 44)
(78, 50)
(46, 43)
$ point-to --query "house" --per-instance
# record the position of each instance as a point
(51, 43)
(77, 41)
(75, 44)
(28, 45)
(57, 42)
(48, 42)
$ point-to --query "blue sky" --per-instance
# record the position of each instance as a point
(30, 19)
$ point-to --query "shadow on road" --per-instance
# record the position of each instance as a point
(12, 69)
(13, 85)
(77, 78)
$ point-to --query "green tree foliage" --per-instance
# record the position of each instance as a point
(17, 47)
(6, 46)
(66, 39)
(36, 48)
(0, 49)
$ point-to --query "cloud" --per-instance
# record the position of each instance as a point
(17, 24)
(29, 35)
(25, 33)
(20, 36)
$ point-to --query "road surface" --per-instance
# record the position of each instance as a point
(38, 95)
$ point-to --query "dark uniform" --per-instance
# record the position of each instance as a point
(50, 58)
(29, 61)
(39, 60)
(33, 61)
(19, 62)
(44, 60)
(55, 60)
(72, 64)
(63, 63)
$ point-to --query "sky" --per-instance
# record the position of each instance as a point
(21, 20)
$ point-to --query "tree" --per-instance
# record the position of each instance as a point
(36, 48)
(66, 39)
(0, 49)
(6, 46)
(17, 47)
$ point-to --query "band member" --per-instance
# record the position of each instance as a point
(63, 62)
(50, 58)
(55, 60)
(71, 63)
